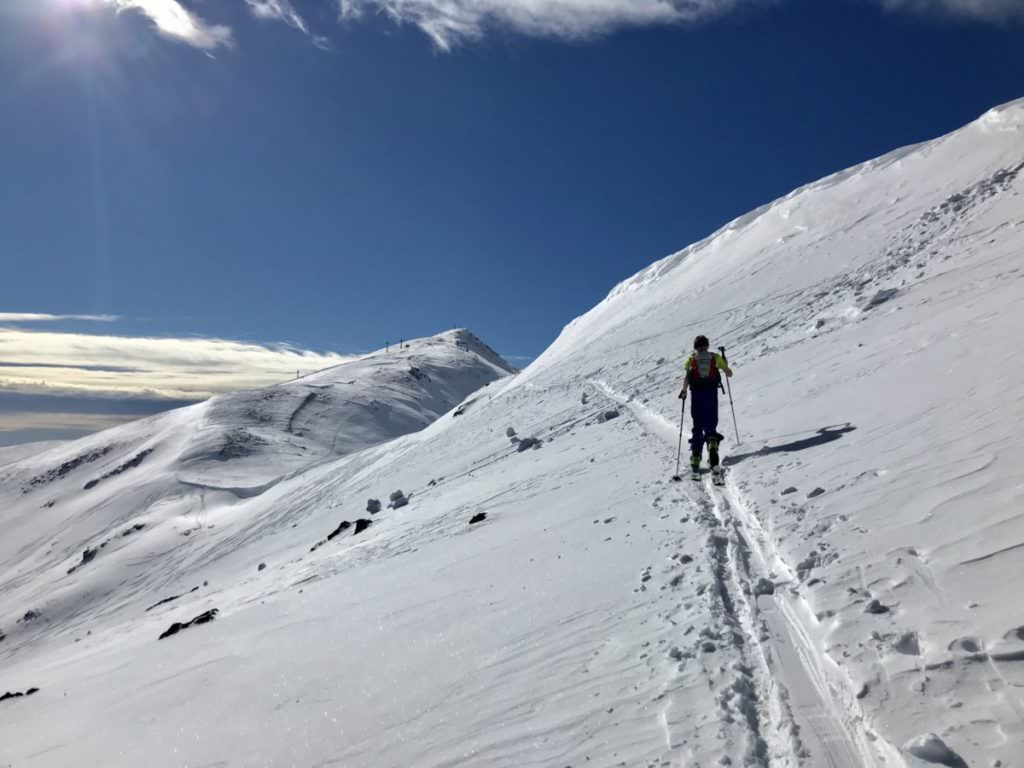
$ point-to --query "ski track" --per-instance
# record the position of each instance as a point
(807, 713)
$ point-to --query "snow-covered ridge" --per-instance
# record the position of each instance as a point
(159, 477)
(740, 245)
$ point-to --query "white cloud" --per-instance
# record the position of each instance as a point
(284, 12)
(278, 10)
(985, 10)
(448, 22)
(37, 317)
(43, 362)
(173, 20)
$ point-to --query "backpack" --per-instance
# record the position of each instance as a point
(703, 371)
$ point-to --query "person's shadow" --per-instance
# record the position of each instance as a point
(823, 435)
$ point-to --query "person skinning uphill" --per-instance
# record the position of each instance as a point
(703, 377)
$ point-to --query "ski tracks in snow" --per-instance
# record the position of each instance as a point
(793, 705)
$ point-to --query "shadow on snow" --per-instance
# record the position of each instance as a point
(821, 437)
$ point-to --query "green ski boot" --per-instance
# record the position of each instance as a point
(713, 453)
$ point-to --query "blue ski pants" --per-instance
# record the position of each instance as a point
(704, 412)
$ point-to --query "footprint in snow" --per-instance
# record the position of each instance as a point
(967, 646)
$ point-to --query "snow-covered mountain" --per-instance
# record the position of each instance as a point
(110, 500)
(549, 597)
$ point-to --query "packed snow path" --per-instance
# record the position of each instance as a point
(791, 711)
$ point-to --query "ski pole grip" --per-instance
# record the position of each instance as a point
(722, 350)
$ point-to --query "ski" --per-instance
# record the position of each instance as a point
(718, 475)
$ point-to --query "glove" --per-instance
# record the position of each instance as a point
(682, 394)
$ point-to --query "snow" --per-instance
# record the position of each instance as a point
(599, 614)
(9, 454)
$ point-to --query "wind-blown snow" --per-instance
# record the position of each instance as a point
(850, 598)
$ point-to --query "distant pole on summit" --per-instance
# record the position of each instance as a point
(387, 346)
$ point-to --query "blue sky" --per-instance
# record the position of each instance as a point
(333, 174)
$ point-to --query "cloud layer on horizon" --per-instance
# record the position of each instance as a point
(42, 317)
(51, 363)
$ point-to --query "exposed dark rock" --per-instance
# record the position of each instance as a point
(815, 493)
(18, 694)
(396, 495)
(261, 566)
(607, 416)
(510, 432)
(764, 587)
(130, 464)
(203, 618)
(808, 564)
(87, 557)
(876, 607)
(166, 600)
(686, 559)
(30, 616)
(373, 506)
(398, 499)
(68, 466)
(343, 526)
(361, 525)
(2, 636)
(479, 517)
(881, 297)
(134, 529)
(789, 490)
(528, 442)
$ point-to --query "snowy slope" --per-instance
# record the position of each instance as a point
(98, 508)
(601, 615)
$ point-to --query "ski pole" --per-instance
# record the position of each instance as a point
(679, 450)
(731, 406)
